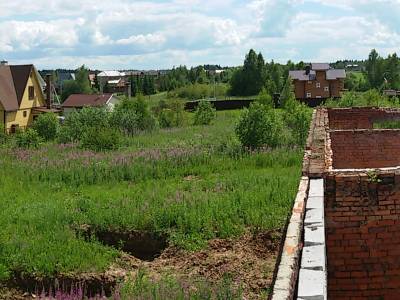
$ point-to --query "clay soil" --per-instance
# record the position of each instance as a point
(249, 261)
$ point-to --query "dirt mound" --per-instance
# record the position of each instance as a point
(250, 261)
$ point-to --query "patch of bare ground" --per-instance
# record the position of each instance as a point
(249, 260)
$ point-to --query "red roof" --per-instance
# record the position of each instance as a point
(81, 100)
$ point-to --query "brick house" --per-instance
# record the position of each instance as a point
(318, 81)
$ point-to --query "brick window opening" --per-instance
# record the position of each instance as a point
(31, 93)
(318, 85)
(308, 95)
(25, 113)
(326, 89)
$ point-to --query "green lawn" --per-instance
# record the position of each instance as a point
(192, 184)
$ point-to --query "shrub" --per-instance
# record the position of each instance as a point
(204, 114)
(77, 123)
(47, 126)
(131, 116)
(171, 114)
(101, 139)
(259, 126)
(28, 139)
(265, 99)
(298, 119)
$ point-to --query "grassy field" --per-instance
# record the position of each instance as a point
(191, 184)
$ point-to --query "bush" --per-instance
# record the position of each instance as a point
(131, 116)
(47, 126)
(171, 114)
(101, 139)
(28, 139)
(298, 119)
(204, 114)
(265, 99)
(259, 126)
(77, 123)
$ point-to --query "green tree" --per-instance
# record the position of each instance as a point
(374, 70)
(287, 98)
(205, 113)
(259, 126)
(250, 79)
(70, 87)
(47, 126)
(82, 78)
(265, 98)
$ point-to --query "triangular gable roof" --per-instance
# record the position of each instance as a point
(81, 100)
(13, 82)
(20, 76)
(8, 96)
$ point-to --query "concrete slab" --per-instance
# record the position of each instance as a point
(316, 188)
(314, 258)
(311, 285)
(314, 235)
(315, 202)
(314, 215)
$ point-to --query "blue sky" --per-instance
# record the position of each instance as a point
(123, 34)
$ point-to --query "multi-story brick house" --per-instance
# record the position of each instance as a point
(318, 81)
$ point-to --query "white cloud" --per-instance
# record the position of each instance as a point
(150, 33)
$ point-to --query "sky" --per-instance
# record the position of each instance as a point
(160, 34)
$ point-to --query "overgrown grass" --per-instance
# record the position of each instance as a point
(192, 183)
(391, 124)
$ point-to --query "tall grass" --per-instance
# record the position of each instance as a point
(191, 184)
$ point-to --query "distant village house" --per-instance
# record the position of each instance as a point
(78, 101)
(318, 81)
(22, 96)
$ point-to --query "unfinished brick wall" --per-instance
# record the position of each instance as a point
(360, 118)
(363, 236)
(357, 149)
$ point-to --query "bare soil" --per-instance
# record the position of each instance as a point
(249, 260)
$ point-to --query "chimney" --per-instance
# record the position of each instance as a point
(308, 70)
(3, 63)
(48, 91)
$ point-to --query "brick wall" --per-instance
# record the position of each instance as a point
(357, 149)
(363, 237)
(360, 118)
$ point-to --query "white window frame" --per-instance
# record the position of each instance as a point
(318, 84)
(326, 89)
(308, 95)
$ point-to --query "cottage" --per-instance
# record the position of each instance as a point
(78, 101)
(318, 81)
(21, 96)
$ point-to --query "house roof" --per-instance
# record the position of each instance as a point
(320, 66)
(8, 96)
(20, 76)
(333, 74)
(301, 75)
(13, 81)
(110, 74)
(81, 100)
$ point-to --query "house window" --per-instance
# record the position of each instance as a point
(308, 95)
(31, 91)
(25, 113)
(326, 89)
(318, 85)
